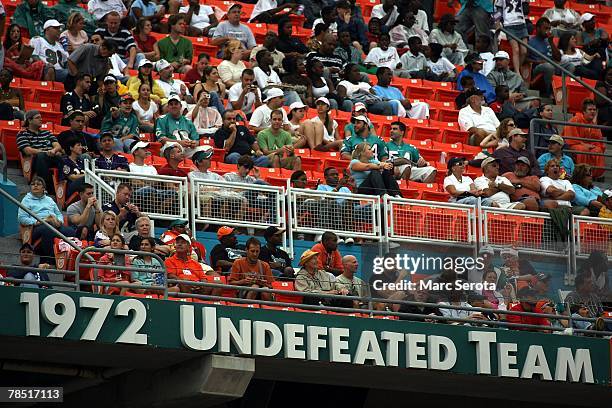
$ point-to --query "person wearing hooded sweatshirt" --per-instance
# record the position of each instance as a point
(45, 208)
(64, 8)
(31, 15)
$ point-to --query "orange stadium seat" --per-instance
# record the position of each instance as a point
(501, 230)
(8, 137)
(286, 286)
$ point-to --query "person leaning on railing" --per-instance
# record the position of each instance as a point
(252, 272)
(115, 276)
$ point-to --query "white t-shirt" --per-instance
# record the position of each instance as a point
(249, 99)
(489, 63)
(145, 114)
(564, 185)
(262, 6)
(441, 66)
(574, 59)
(486, 120)
(461, 186)
(264, 79)
(201, 19)
(326, 135)
(261, 117)
(53, 54)
(377, 11)
(351, 88)
(512, 12)
(117, 65)
(381, 58)
(333, 27)
(145, 169)
(421, 20)
(173, 87)
(501, 198)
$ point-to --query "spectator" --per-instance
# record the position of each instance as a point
(322, 86)
(318, 35)
(145, 76)
(311, 279)
(266, 77)
(415, 62)
(31, 16)
(362, 135)
(245, 95)
(596, 266)
(230, 69)
(120, 276)
(371, 176)
(93, 59)
(329, 258)
(252, 272)
(40, 145)
(144, 40)
(400, 106)
(122, 123)
(181, 266)
(483, 47)
(332, 64)
(385, 56)
(228, 250)
(277, 144)
(593, 40)
(500, 137)
(350, 19)
(83, 214)
(562, 19)
(148, 9)
(348, 284)
(174, 126)
(261, 117)
(507, 155)
(178, 227)
(578, 61)
(542, 131)
(472, 68)
(405, 29)
(269, 44)
(211, 83)
(175, 48)
(238, 141)
(407, 162)
(493, 298)
(502, 75)
(13, 45)
(45, 208)
(606, 211)
(108, 96)
(575, 133)
(127, 211)
(101, 8)
(478, 120)
(588, 196)
(359, 109)
(511, 15)
(348, 52)
(287, 43)
(143, 231)
(468, 85)
(422, 296)
(202, 160)
(106, 229)
(457, 298)
(126, 46)
(200, 18)
(173, 153)
(232, 29)
(557, 190)
(543, 42)
(73, 168)
(461, 188)
(155, 276)
(495, 187)
(26, 259)
(48, 49)
(355, 90)
(74, 33)
(505, 108)
(326, 137)
(476, 14)
(196, 74)
(329, 17)
(555, 151)
(108, 159)
(527, 187)
(79, 100)
(206, 119)
(527, 303)
(585, 294)
(272, 254)
(387, 12)
(438, 64)
(604, 115)
(169, 85)
(454, 47)
(146, 110)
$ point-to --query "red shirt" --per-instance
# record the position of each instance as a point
(540, 321)
(192, 76)
(328, 259)
(582, 132)
(185, 270)
(169, 171)
(145, 46)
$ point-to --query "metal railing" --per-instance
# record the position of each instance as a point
(592, 234)
(4, 162)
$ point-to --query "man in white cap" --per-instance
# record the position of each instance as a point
(51, 52)
(201, 157)
(174, 126)
(245, 95)
(496, 187)
(362, 134)
(592, 39)
(140, 153)
(555, 151)
(173, 153)
(171, 85)
(261, 118)
(503, 75)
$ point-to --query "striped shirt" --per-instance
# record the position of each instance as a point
(123, 38)
(42, 140)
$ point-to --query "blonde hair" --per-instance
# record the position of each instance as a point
(549, 163)
(116, 229)
(71, 19)
(230, 47)
(359, 149)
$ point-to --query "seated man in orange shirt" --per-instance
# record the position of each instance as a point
(588, 115)
(330, 259)
(528, 299)
(182, 266)
(252, 272)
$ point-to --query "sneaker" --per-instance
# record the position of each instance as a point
(318, 237)
(349, 241)
(300, 237)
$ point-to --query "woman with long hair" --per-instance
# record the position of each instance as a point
(588, 196)
(74, 32)
(230, 69)
(144, 40)
(13, 44)
(542, 131)
(306, 133)
(109, 227)
(11, 99)
(146, 110)
(213, 85)
(115, 275)
(371, 176)
(206, 119)
(145, 76)
(500, 137)
(577, 60)
(330, 139)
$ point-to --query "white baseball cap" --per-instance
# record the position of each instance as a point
(324, 100)
(361, 118)
(55, 23)
(273, 93)
(144, 62)
(360, 106)
(501, 55)
(139, 145)
(584, 18)
(296, 105)
(174, 97)
(183, 236)
(169, 145)
(161, 65)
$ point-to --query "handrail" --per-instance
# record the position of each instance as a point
(4, 162)
(556, 65)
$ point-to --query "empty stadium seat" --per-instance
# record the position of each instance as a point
(284, 298)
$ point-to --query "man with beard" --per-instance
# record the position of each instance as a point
(78, 99)
(507, 155)
(224, 254)
(527, 187)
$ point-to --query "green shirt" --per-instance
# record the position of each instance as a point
(269, 141)
(122, 126)
(167, 126)
(403, 151)
(171, 52)
(376, 143)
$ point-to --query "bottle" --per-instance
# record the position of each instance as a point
(64, 41)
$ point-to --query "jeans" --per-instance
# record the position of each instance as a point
(548, 70)
(381, 108)
(45, 249)
(140, 56)
(123, 146)
(61, 74)
(291, 97)
(475, 17)
(260, 161)
(486, 202)
(379, 183)
(41, 166)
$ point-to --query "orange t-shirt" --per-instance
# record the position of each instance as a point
(185, 270)
(241, 268)
(333, 259)
(582, 132)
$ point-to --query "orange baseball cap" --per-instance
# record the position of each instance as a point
(224, 231)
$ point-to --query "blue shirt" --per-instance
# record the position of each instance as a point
(146, 9)
(542, 45)
(584, 196)
(487, 5)
(389, 92)
(481, 83)
(566, 162)
(360, 176)
(325, 187)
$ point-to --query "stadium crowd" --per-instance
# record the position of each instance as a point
(131, 69)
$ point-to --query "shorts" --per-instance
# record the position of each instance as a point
(417, 173)
(519, 30)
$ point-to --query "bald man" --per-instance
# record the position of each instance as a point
(347, 283)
